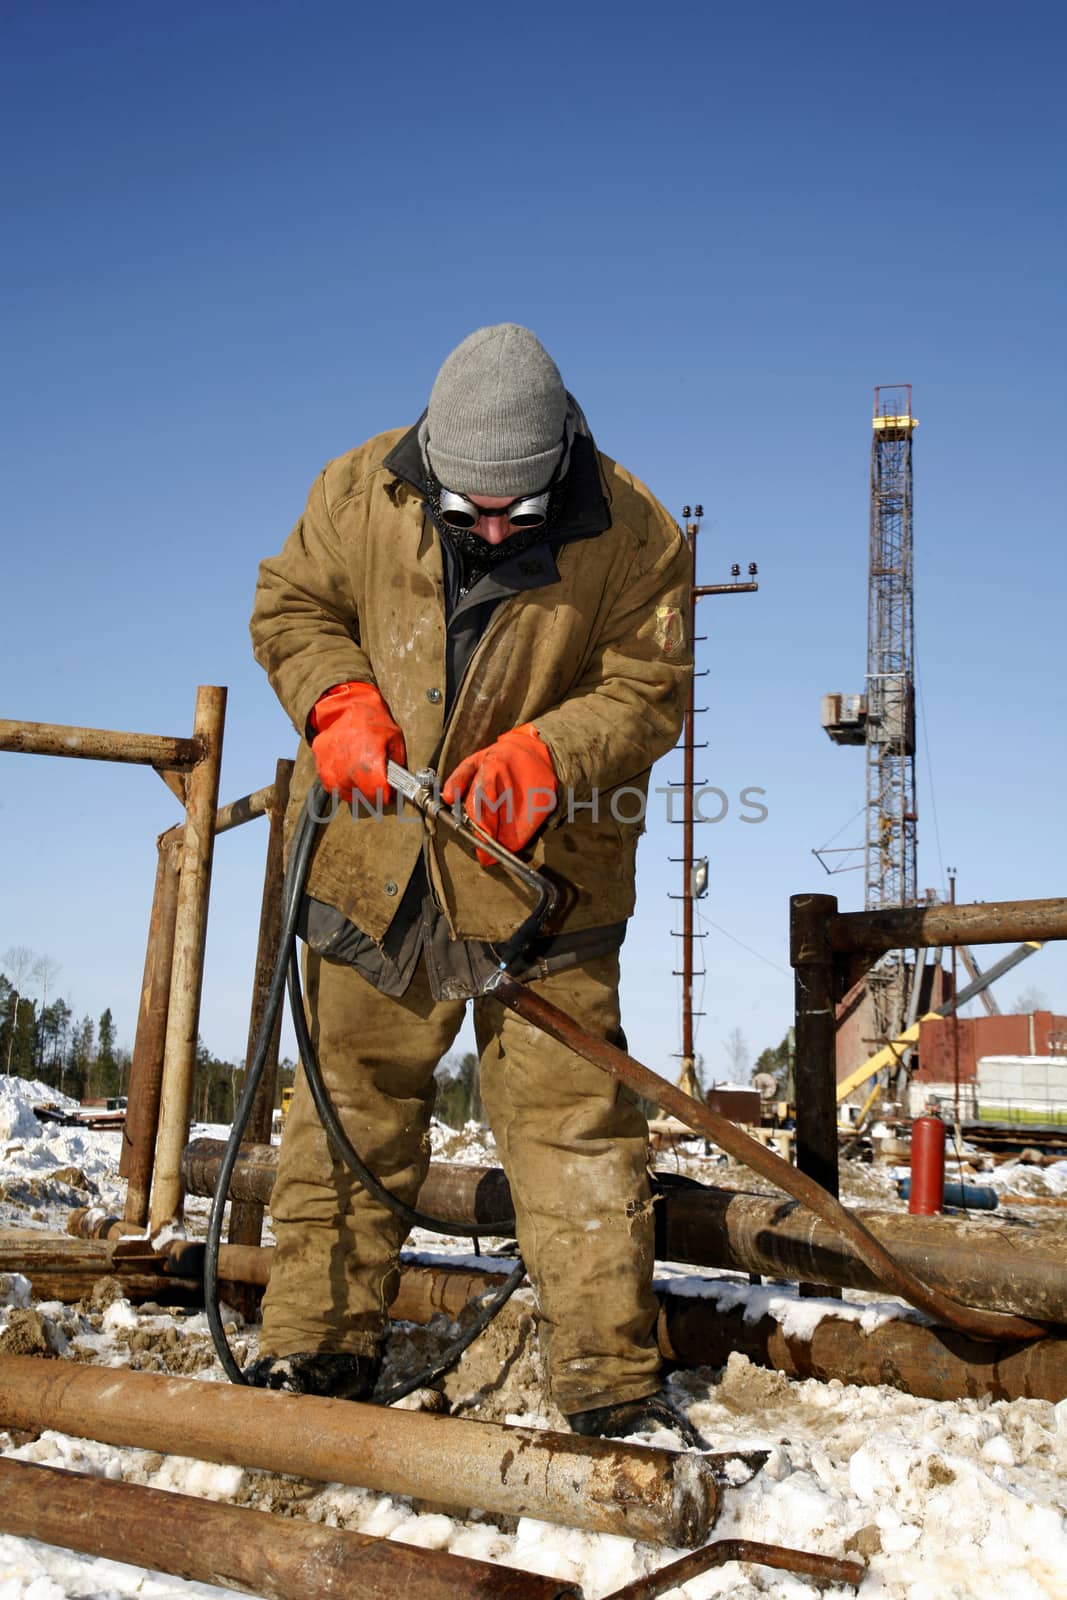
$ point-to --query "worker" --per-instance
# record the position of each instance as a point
(486, 595)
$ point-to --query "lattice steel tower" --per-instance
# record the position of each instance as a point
(883, 719)
(891, 817)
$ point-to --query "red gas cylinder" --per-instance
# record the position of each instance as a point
(927, 1193)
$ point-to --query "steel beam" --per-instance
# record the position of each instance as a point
(642, 1493)
(204, 1541)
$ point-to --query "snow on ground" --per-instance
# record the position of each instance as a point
(944, 1500)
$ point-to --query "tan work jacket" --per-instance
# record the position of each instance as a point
(596, 656)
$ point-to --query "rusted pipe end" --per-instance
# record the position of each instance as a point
(90, 1222)
(696, 1500)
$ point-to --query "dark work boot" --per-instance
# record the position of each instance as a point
(331, 1373)
(635, 1416)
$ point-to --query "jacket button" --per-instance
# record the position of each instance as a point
(434, 696)
(389, 886)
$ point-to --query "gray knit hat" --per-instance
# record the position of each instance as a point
(497, 409)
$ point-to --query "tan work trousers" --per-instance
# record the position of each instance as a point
(572, 1141)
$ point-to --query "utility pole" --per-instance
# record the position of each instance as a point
(694, 868)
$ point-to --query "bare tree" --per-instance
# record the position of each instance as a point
(1030, 1000)
(45, 973)
(737, 1053)
(19, 965)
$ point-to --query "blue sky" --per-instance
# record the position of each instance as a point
(241, 238)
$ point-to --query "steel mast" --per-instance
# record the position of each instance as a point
(890, 851)
(883, 719)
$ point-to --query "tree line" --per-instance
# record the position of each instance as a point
(42, 1040)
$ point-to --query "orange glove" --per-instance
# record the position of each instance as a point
(354, 738)
(508, 788)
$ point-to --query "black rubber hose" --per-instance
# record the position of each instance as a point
(451, 1353)
(295, 877)
(287, 971)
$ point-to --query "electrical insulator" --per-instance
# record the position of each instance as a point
(687, 512)
(699, 511)
(735, 571)
(752, 569)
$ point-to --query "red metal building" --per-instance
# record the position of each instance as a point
(1038, 1033)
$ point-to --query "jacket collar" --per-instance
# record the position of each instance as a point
(584, 510)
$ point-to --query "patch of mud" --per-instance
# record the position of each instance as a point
(501, 1375)
(166, 1349)
(35, 1194)
(75, 1177)
(27, 1333)
(105, 1292)
(865, 1542)
(746, 1390)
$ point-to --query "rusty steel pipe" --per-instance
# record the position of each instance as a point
(633, 1490)
(253, 1175)
(238, 1263)
(69, 1268)
(816, 1042)
(246, 1217)
(937, 1363)
(701, 589)
(695, 1332)
(873, 933)
(994, 1267)
(816, 1033)
(146, 1068)
(934, 1362)
(98, 744)
(64, 1268)
(533, 1008)
(237, 812)
(205, 1541)
(233, 814)
(828, 1569)
(179, 1058)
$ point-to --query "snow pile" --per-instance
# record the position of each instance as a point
(471, 1145)
(14, 1290)
(47, 1169)
(1027, 1178)
(18, 1096)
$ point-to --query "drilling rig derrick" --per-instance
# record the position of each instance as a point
(883, 718)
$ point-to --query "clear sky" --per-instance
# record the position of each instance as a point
(241, 238)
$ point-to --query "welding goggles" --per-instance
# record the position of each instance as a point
(528, 511)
